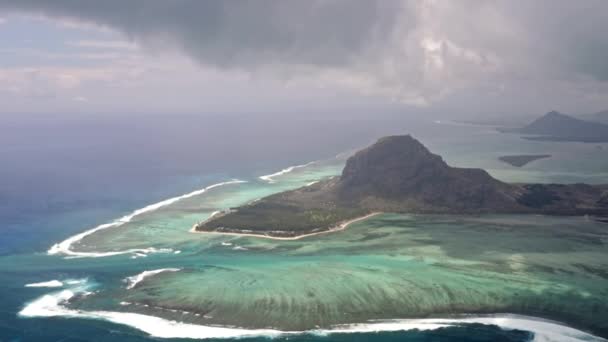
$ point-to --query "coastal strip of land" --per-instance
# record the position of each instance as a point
(341, 226)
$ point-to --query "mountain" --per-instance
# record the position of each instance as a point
(601, 117)
(400, 175)
(555, 126)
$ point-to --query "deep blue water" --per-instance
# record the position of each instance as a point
(61, 175)
(58, 173)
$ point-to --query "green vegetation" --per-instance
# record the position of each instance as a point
(270, 217)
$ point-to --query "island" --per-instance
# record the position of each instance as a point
(523, 159)
(555, 126)
(596, 117)
(398, 174)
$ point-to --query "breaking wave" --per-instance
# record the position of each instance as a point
(270, 178)
(64, 247)
(57, 283)
(138, 278)
(50, 283)
(54, 304)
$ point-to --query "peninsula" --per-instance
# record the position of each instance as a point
(400, 175)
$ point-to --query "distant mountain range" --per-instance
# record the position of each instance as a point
(555, 126)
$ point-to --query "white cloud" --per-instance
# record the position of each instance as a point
(104, 44)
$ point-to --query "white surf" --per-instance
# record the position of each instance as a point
(50, 283)
(65, 247)
(271, 177)
(138, 278)
(54, 304)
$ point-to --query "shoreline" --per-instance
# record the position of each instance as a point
(341, 226)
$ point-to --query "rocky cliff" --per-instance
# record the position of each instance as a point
(400, 168)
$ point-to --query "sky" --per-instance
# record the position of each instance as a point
(466, 58)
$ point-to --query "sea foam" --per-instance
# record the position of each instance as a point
(64, 247)
(270, 178)
(50, 283)
(138, 278)
(54, 304)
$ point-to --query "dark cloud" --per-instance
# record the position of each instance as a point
(238, 33)
(413, 51)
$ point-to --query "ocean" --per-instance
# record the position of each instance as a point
(143, 181)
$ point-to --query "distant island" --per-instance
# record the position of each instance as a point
(555, 126)
(522, 160)
(597, 117)
(400, 175)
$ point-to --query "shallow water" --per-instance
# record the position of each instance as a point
(390, 266)
(387, 267)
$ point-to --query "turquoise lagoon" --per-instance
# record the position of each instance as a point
(408, 277)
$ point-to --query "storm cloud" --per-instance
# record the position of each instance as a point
(412, 51)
